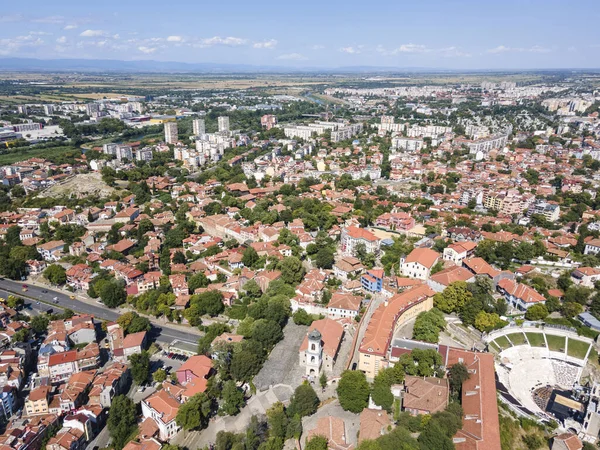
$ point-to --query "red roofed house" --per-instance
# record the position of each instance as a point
(441, 280)
(343, 305)
(419, 262)
(519, 295)
(481, 427)
(352, 236)
(194, 374)
(162, 408)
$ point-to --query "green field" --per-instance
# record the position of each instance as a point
(536, 339)
(26, 153)
(556, 343)
(502, 342)
(577, 348)
(516, 338)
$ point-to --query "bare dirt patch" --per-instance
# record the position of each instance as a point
(80, 186)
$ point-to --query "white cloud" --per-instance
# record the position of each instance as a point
(453, 52)
(317, 47)
(350, 50)
(411, 48)
(175, 39)
(218, 40)
(11, 45)
(70, 27)
(62, 40)
(147, 50)
(270, 44)
(292, 57)
(5, 18)
(40, 33)
(50, 19)
(92, 33)
(505, 49)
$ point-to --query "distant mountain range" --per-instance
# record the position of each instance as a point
(111, 65)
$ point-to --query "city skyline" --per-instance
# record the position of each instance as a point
(462, 35)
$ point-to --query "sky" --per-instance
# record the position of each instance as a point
(442, 34)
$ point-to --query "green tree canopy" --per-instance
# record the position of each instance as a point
(353, 391)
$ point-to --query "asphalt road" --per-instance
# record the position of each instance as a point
(161, 332)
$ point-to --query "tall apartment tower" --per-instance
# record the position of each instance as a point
(171, 136)
(223, 123)
(198, 127)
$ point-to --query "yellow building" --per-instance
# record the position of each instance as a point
(37, 402)
(385, 322)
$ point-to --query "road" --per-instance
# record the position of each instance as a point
(162, 332)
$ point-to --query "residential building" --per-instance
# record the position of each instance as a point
(171, 135)
(585, 276)
(426, 395)
(372, 280)
(162, 408)
(385, 321)
(198, 127)
(418, 263)
(519, 295)
(223, 123)
(459, 251)
(353, 236)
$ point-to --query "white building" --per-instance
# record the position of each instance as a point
(198, 127)
(223, 122)
(171, 135)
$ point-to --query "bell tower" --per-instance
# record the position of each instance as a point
(314, 353)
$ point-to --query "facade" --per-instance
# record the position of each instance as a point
(372, 280)
(171, 134)
(223, 123)
(385, 321)
(162, 408)
(418, 263)
(353, 236)
(519, 295)
(198, 127)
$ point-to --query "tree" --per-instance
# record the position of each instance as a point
(433, 437)
(122, 422)
(278, 420)
(317, 443)
(428, 326)
(323, 380)
(196, 281)
(179, 258)
(39, 324)
(453, 297)
(292, 271)
(250, 257)
(325, 258)
(353, 391)
(55, 274)
(233, 398)
(113, 294)
(457, 375)
(13, 236)
(571, 309)
(381, 392)
(267, 334)
(194, 414)
(304, 402)
(244, 365)
(159, 376)
(301, 317)
(486, 321)
(209, 302)
(536, 312)
(140, 367)
(21, 336)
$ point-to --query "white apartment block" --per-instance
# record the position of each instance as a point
(198, 127)
(171, 134)
(223, 122)
(408, 144)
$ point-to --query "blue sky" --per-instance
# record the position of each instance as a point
(450, 34)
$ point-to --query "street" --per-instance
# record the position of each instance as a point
(163, 332)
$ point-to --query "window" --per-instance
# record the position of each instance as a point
(312, 347)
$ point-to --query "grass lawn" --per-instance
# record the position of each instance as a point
(577, 348)
(502, 342)
(516, 338)
(536, 339)
(493, 346)
(21, 155)
(556, 343)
